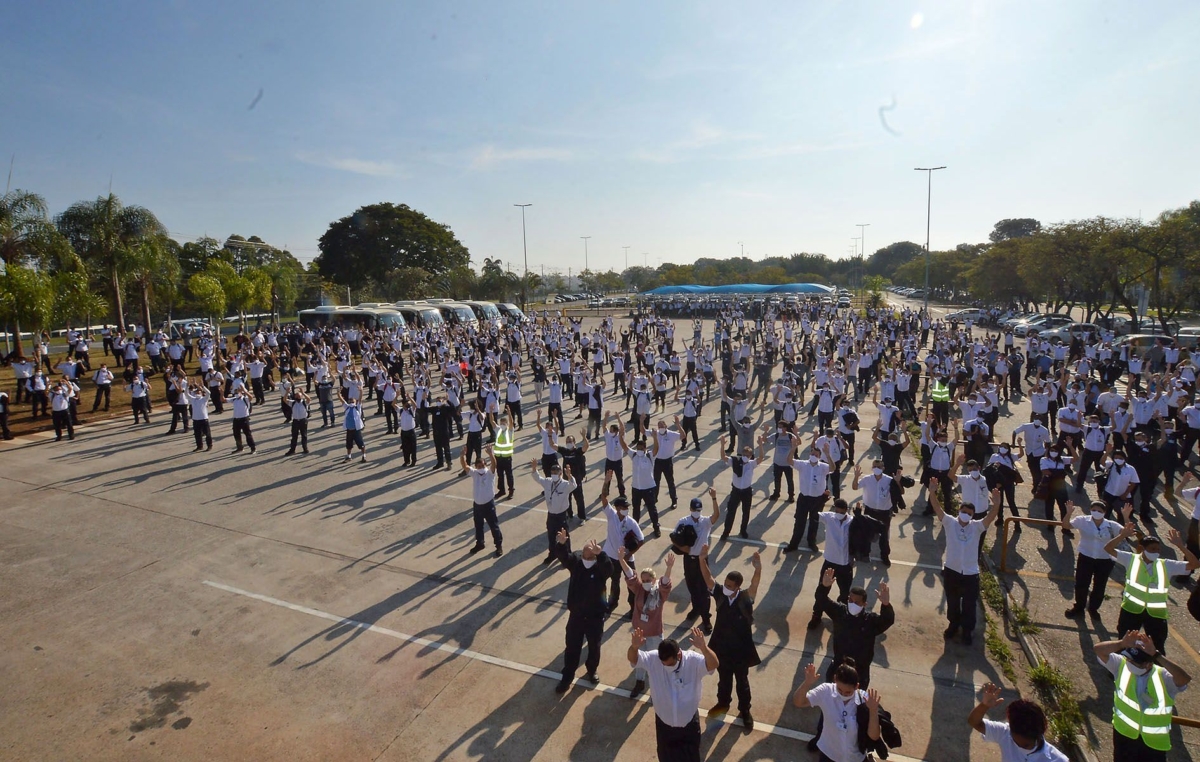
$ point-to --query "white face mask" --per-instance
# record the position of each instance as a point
(877, 471)
(729, 593)
(1097, 516)
(964, 518)
(696, 514)
(1136, 670)
(1119, 461)
(1150, 557)
(589, 564)
(854, 609)
(647, 586)
(813, 459)
(974, 474)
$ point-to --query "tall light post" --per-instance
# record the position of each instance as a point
(743, 248)
(585, 240)
(862, 236)
(853, 263)
(928, 212)
(525, 249)
(626, 248)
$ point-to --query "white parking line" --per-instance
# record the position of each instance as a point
(498, 662)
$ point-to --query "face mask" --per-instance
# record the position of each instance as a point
(589, 564)
(729, 593)
(695, 514)
(1097, 516)
(647, 586)
(1150, 557)
(854, 609)
(964, 518)
(877, 471)
(812, 459)
(974, 474)
(1136, 670)
(1119, 461)
(622, 513)
(1053, 454)
(1004, 451)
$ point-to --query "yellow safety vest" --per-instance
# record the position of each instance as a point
(1145, 587)
(940, 392)
(503, 447)
(1131, 719)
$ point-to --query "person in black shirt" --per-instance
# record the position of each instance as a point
(587, 606)
(441, 415)
(574, 458)
(733, 636)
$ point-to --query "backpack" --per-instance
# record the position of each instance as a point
(889, 734)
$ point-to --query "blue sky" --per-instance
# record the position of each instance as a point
(678, 129)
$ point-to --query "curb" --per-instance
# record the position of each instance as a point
(1081, 752)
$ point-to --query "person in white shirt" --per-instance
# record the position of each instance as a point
(665, 441)
(622, 539)
(353, 424)
(60, 409)
(973, 486)
(483, 503)
(692, 575)
(960, 567)
(299, 402)
(742, 489)
(813, 475)
(1093, 564)
(676, 679)
(1023, 737)
(556, 489)
(836, 556)
(241, 419)
(139, 398)
(877, 500)
(199, 400)
(839, 701)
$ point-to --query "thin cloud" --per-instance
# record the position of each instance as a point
(490, 155)
(354, 166)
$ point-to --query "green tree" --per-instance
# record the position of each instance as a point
(208, 295)
(102, 232)
(26, 298)
(152, 266)
(1171, 248)
(247, 291)
(1021, 227)
(380, 238)
(194, 256)
(885, 261)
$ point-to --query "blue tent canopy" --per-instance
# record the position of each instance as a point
(741, 288)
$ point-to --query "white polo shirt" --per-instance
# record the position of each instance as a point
(839, 740)
(676, 690)
(1093, 538)
(483, 484)
(812, 477)
(975, 492)
(746, 480)
(617, 528)
(1000, 734)
(837, 537)
(876, 493)
(962, 544)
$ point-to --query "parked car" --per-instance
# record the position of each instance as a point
(1188, 337)
(974, 315)
(1045, 322)
(1070, 331)
(1141, 343)
(1018, 317)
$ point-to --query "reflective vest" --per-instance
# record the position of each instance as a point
(503, 447)
(1131, 719)
(940, 392)
(1145, 587)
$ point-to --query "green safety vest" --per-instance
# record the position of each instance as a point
(1131, 720)
(1145, 587)
(503, 446)
(940, 392)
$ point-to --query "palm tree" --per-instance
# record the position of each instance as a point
(104, 232)
(22, 218)
(153, 264)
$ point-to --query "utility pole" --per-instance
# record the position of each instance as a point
(626, 248)
(585, 257)
(928, 214)
(525, 250)
(742, 246)
(862, 233)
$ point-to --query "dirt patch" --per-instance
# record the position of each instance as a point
(165, 701)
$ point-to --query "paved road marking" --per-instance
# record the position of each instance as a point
(725, 719)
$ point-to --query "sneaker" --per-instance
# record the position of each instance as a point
(475, 549)
(718, 709)
(657, 533)
(774, 497)
(290, 452)
(364, 457)
(747, 720)
(499, 551)
(347, 458)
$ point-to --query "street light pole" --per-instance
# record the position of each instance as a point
(585, 240)
(853, 262)
(743, 247)
(928, 213)
(862, 233)
(525, 250)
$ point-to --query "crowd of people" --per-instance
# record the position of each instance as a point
(793, 389)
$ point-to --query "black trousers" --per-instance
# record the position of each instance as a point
(62, 419)
(474, 445)
(103, 391)
(141, 406)
(1134, 750)
(782, 472)
(843, 575)
(242, 426)
(1091, 574)
(885, 540)
(962, 599)
(726, 676)
(1091, 459)
(678, 744)
(299, 432)
(441, 444)
(618, 469)
(582, 627)
(806, 519)
(503, 471)
(665, 467)
(179, 413)
(555, 522)
(408, 446)
(256, 385)
(202, 432)
(1153, 626)
(699, 592)
(554, 412)
(688, 424)
(738, 498)
(486, 514)
(650, 498)
(390, 417)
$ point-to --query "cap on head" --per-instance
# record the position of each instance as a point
(697, 504)
(620, 502)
